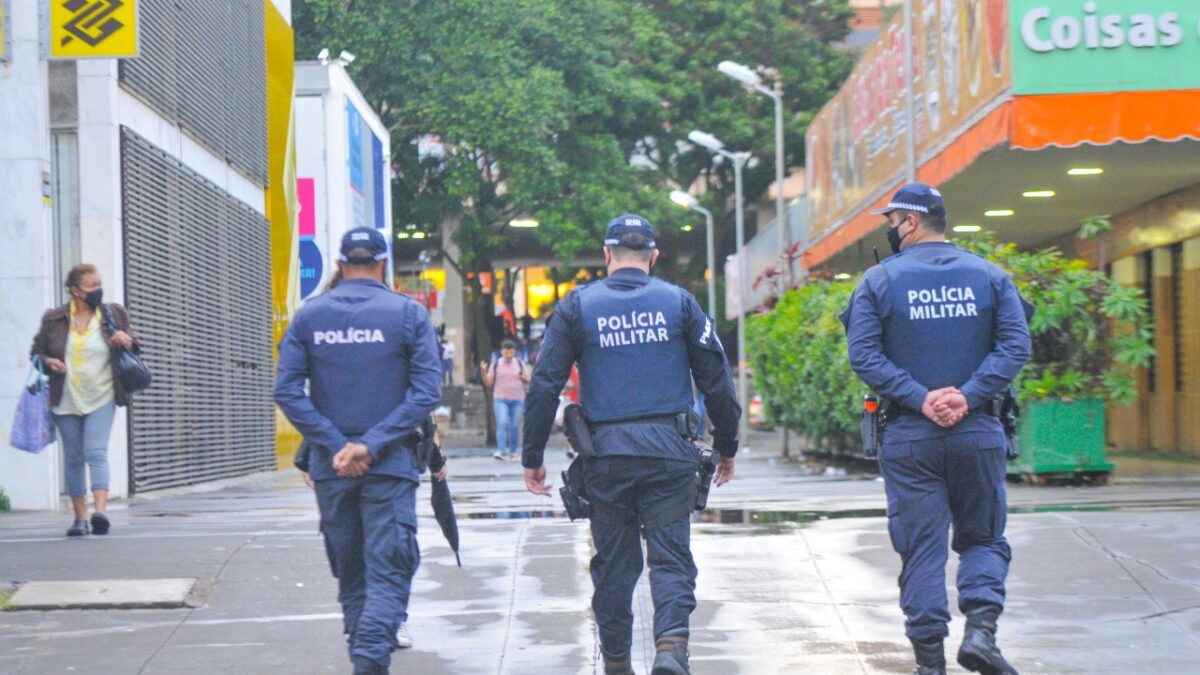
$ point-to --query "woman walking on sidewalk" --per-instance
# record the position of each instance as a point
(74, 343)
(508, 374)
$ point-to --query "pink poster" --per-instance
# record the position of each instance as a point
(306, 194)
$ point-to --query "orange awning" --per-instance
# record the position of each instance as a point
(1067, 120)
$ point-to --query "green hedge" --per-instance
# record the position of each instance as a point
(1089, 334)
(798, 356)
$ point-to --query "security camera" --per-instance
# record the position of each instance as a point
(346, 58)
(323, 55)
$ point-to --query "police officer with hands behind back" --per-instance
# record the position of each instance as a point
(638, 341)
(940, 333)
(370, 358)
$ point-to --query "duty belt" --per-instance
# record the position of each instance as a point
(992, 408)
(656, 419)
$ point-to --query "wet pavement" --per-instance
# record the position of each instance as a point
(796, 575)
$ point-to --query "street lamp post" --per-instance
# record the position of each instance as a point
(739, 159)
(753, 82)
(686, 200)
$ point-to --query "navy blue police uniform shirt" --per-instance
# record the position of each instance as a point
(633, 364)
(935, 316)
(369, 356)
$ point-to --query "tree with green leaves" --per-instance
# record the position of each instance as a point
(572, 111)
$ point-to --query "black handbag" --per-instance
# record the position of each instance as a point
(128, 367)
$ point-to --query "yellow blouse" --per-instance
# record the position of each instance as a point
(89, 382)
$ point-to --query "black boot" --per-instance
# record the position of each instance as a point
(979, 653)
(672, 657)
(617, 666)
(931, 657)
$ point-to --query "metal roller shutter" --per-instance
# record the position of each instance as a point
(197, 280)
(203, 66)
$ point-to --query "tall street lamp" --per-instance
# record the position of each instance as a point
(687, 201)
(753, 82)
(739, 159)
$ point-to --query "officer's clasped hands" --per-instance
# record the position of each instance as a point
(946, 406)
(352, 461)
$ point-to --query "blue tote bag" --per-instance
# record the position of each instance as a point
(33, 429)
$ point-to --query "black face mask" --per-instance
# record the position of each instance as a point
(94, 298)
(894, 238)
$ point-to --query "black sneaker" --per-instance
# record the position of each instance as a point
(79, 529)
(100, 524)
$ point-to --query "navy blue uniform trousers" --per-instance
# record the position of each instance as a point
(369, 525)
(931, 485)
(653, 498)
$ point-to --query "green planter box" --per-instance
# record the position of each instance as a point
(1061, 437)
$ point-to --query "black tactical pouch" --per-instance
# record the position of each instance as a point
(300, 461)
(688, 425)
(578, 433)
(574, 501)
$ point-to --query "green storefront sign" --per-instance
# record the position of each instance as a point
(1077, 46)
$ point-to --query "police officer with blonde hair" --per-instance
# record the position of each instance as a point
(370, 359)
(638, 342)
(940, 334)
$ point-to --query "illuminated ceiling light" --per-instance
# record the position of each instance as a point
(1038, 193)
(1085, 171)
(841, 277)
(402, 235)
(686, 228)
(967, 228)
(418, 235)
(523, 222)
(998, 213)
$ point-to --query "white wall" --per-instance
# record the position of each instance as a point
(26, 265)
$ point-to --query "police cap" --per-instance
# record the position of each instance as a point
(363, 245)
(629, 224)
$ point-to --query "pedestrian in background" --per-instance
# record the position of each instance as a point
(507, 375)
(449, 351)
(74, 342)
(638, 341)
(369, 359)
(940, 333)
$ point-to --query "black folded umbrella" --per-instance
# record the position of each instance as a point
(443, 505)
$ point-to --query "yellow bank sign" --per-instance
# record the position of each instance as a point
(81, 29)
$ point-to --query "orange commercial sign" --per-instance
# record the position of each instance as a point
(856, 144)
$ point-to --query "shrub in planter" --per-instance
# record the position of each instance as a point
(1089, 334)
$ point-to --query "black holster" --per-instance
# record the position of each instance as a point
(704, 476)
(578, 431)
(572, 492)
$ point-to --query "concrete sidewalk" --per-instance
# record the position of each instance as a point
(796, 575)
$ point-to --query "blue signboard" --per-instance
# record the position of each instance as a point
(378, 168)
(311, 267)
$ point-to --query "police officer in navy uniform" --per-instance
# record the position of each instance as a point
(638, 342)
(939, 333)
(370, 359)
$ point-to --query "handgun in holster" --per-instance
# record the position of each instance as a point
(426, 449)
(1009, 414)
(871, 426)
(579, 435)
(704, 476)
(572, 492)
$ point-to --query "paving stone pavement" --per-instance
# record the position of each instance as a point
(796, 576)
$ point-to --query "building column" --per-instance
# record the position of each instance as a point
(27, 257)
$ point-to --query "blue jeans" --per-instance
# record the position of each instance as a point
(85, 445)
(508, 423)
